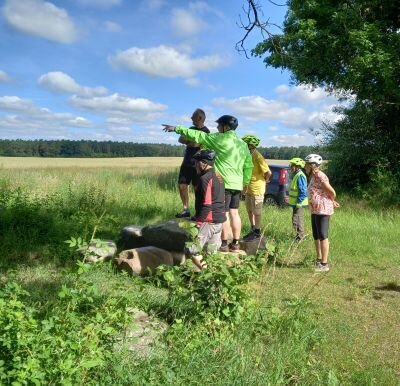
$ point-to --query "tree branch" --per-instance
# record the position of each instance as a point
(254, 20)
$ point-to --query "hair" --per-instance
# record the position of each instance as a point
(201, 112)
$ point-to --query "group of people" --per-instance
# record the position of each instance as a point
(221, 167)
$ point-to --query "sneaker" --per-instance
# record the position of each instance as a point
(248, 235)
(234, 247)
(252, 237)
(224, 248)
(185, 213)
(322, 268)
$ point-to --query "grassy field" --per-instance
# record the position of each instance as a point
(298, 327)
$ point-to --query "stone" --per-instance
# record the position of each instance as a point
(168, 236)
(251, 247)
(143, 334)
(131, 237)
(143, 261)
(99, 251)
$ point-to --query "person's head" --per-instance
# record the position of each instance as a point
(204, 160)
(198, 118)
(313, 162)
(226, 123)
(252, 141)
(296, 163)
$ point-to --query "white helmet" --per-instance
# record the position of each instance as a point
(313, 159)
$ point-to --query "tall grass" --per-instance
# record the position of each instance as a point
(299, 328)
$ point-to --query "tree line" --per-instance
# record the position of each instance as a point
(96, 149)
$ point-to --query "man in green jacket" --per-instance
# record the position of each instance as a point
(233, 163)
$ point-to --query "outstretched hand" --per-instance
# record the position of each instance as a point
(168, 128)
(336, 204)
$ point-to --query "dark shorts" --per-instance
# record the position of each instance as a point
(320, 226)
(188, 175)
(232, 199)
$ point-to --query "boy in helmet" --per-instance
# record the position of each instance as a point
(233, 163)
(210, 207)
(255, 190)
(298, 196)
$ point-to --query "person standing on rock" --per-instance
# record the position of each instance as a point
(210, 208)
(187, 172)
(233, 162)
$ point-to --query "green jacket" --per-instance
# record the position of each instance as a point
(233, 160)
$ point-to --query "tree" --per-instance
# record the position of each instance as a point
(351, 48)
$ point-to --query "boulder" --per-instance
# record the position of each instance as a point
(251, 247)
(143, 261)
(168, 236)
(99, 251)
(131, 237)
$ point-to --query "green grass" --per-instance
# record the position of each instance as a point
(299, 328)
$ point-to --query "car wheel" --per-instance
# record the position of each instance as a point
(270, 200)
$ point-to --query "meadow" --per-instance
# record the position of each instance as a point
(62, 319)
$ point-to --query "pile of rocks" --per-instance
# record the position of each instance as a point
(145, 248)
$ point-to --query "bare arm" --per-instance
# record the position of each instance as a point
(329, 190)
(267, 176)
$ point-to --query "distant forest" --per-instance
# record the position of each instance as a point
(95, 149)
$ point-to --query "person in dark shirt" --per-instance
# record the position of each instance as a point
(187, 172)
(210, 208)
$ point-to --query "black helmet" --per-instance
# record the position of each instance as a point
(228, 120)
(206, 155)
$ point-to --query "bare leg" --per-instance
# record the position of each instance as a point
(324, 250)
(318, 249)
(236, 223)
(226, 228)
(184, 193)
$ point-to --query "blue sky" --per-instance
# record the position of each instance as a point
(117, 69)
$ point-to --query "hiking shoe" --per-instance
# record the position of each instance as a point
(248, 235)
(322, 268)
(224, 248)
(234, 247)
(184, 214)
(252, 237)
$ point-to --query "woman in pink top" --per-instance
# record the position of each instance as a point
(321, 199)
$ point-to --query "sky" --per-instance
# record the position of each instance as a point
(117, 69)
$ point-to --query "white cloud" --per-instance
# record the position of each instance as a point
(292, 140)
(256, 108)
(153, 5)
(99, 3)
(40, 18)
(4, 77)
(164, 61)
(193, 82)
(22, 119)
(184, 23)
(203, 7)
(60, 82)
(126, 109)
(112, 26)
(304, 95)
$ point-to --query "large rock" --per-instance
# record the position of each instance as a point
(251, 247)
(168, 236)
(99, 251)
(143, 261)
(131, 237)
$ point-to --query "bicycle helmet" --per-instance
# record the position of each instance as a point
(314, 159)
(207, 156)
(297, 161)
(251, 140)
(228, 120)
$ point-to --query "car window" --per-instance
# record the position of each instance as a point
(275, 175)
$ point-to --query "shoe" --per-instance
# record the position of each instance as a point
(234, 247)
(224, 248)
(248, 235)
(322, 268)
(184, 214)
(252, 237)
(193, 218)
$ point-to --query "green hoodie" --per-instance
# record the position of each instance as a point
(233, 160)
